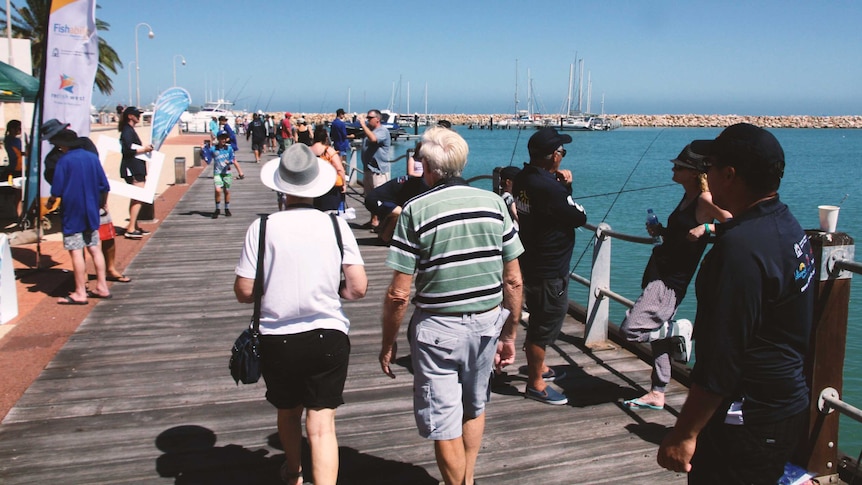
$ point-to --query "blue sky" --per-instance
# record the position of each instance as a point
(646, 57)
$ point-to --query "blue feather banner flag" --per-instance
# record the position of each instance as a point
(169, 107)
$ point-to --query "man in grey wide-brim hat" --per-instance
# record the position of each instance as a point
(304, 345)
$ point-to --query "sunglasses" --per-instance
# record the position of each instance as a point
(561, 151)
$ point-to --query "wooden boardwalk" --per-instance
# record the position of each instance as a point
(141, 392)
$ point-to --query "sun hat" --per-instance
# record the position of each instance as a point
(545, 141)
(52, 127)
(298, 173)
(65, 138)
(688, 158)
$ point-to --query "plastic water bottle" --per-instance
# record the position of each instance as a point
(652, 221)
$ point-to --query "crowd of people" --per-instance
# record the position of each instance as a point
(472, 260)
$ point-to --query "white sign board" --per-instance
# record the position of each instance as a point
(155, 161)
(8, 293)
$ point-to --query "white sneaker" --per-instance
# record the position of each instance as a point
(679, 332)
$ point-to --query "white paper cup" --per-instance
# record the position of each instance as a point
(828, 217)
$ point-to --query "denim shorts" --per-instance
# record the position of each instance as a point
(548, 303)
(307, 368)
(453, 356)
(80, 240)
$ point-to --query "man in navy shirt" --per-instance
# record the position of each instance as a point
(748, 400)
(338, 135)
(548, 217)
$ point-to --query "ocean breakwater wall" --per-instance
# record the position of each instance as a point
(666, 120)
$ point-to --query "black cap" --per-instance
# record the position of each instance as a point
(688, 158)
(545, 141)
(753, 151)
(132, 110)
(339, 112)
(222, 118)
(509, 173)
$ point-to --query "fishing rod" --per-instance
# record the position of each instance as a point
(618, 193)
(266, 108)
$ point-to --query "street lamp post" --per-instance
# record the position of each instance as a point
(138, 62)
(175, 66)
(130, 81)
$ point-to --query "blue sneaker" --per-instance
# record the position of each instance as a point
(553, 375)
(548, 396)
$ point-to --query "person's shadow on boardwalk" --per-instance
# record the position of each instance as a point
(191, 457)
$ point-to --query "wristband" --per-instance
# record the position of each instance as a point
(706, 228)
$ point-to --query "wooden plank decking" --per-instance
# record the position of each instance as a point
(141, 393)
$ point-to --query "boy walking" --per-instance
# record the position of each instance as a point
(223, 156)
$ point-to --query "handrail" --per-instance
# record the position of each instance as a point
(620, 235)
(849, 265)
(830, 401)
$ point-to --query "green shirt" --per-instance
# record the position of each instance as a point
(455, 238)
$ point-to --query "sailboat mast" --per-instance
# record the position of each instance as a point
(589, 92)
(516, 87)
(408, 97)
(569, 94)
(426, 99)
(580, 83)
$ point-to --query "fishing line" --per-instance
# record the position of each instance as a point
(625, 191)
(515, 148)
(618, 193)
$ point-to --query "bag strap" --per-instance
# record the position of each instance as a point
(334, 219)
(258, 277)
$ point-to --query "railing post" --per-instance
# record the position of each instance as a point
(596, 331)
(824, 366)
(352, 166)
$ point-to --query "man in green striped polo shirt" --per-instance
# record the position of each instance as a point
(461, 244)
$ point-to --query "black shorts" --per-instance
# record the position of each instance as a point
(138, 177)
(548, 303)
(307, 369)
(751, 453)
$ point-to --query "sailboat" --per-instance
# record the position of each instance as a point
(575, 119)
(523, 118)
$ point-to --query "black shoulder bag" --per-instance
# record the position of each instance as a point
(245, 354)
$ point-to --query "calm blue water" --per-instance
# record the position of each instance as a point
(822, 166)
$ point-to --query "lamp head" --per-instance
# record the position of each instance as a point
(184, 62)
(151, 34)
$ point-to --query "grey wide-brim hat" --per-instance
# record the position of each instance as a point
(298, 173)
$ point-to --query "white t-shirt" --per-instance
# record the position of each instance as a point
(302, 270)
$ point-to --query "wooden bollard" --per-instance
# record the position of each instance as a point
(824, 366)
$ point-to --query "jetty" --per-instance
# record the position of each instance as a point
(141, 391)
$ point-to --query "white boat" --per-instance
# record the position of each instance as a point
(199, 122)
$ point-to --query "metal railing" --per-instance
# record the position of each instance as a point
(598, 311)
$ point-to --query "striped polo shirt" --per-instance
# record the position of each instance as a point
(455, 238)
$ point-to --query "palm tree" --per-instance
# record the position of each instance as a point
(29, 22)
